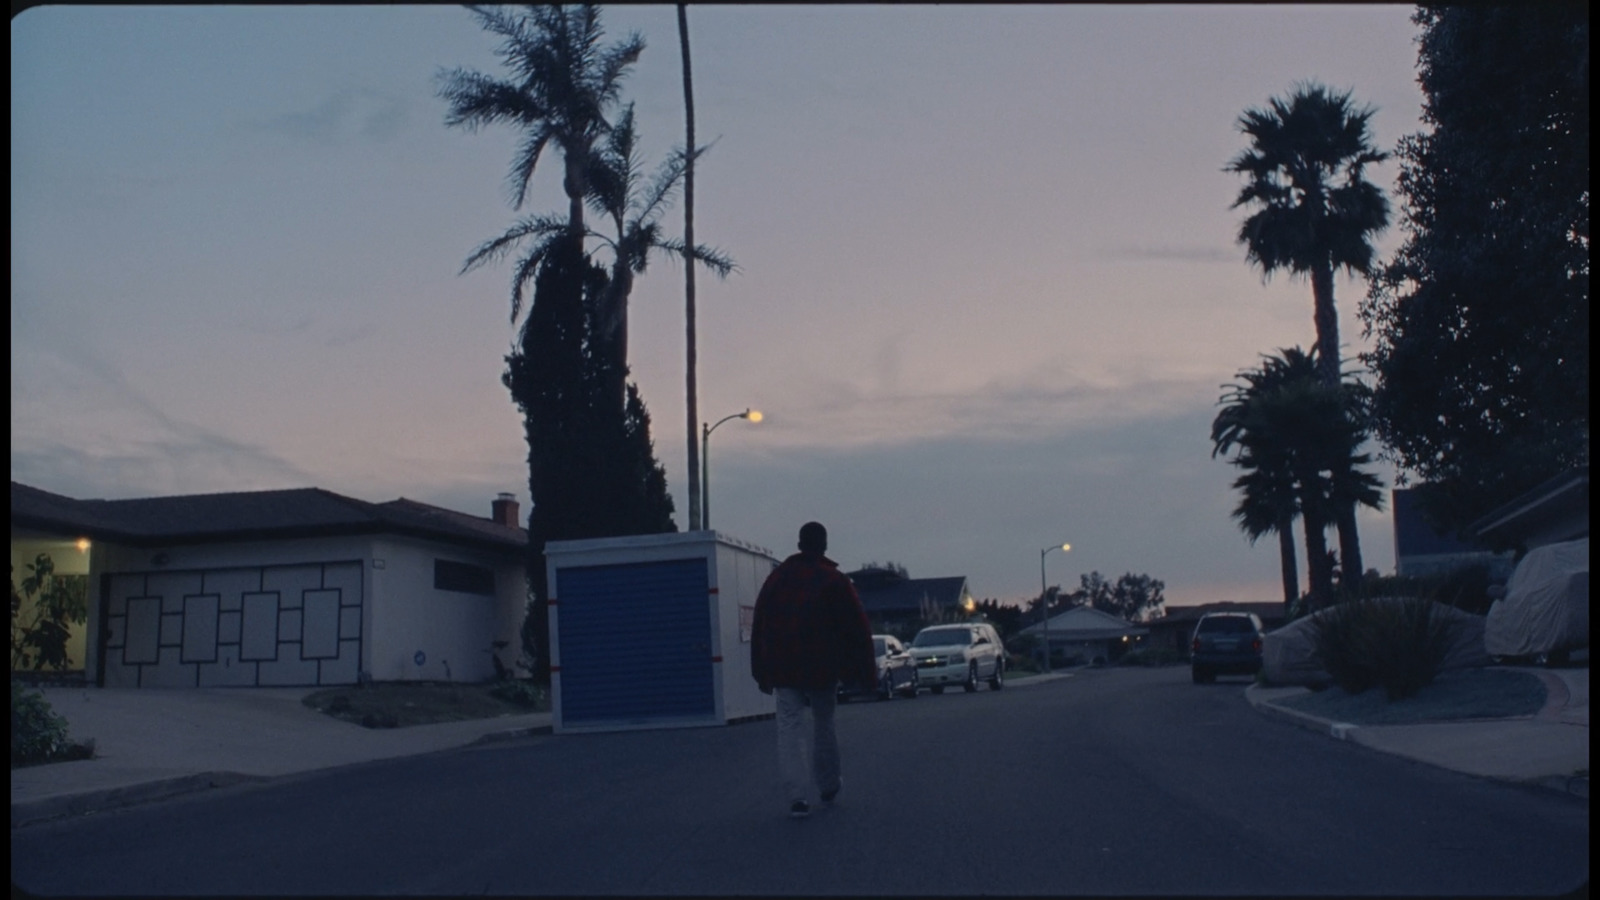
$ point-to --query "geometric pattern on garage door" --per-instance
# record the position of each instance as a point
(256, 626)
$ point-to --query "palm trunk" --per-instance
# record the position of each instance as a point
(575, 183)
(1286, 559)
(1319, 568)
(1327, 322)
(1349, 548)
(691, 404)
(1326, 319)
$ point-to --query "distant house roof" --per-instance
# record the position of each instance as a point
(1085, 623)
(892, 596)
(252, 515)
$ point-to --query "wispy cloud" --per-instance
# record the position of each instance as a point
(79, 428)
(361, 113)
(847, 415)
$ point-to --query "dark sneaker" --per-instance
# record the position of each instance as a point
(799, 809)
(827, 796)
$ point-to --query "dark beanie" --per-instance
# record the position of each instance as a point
(813, 538)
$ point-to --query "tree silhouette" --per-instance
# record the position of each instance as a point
(1298, 444)
(1314, 212)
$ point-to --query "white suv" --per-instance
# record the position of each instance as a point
(959, 654)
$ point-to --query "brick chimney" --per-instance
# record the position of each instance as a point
(505, 510)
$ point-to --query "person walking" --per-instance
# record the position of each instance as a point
(810, 633)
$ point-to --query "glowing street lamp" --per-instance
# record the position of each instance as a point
(1044, 600)
(753, 415)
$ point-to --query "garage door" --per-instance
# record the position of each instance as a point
(635, 643)
(281, 626)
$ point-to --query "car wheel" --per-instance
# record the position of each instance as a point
(1198, 675)
(937, 689)
(971, 684)
(999, 680)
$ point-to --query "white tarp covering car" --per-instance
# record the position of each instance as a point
(1546, 606)
(1289, 655)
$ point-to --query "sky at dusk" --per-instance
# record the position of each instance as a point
(988, 292)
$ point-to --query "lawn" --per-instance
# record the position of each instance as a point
(402, 704)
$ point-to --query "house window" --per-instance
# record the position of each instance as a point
(462, 577)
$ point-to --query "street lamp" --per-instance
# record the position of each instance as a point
(753, 415)
(1044, 600)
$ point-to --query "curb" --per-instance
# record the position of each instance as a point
(1344, 731)
(34, 811)
(495, 737)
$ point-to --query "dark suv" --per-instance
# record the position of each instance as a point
(1225, 643)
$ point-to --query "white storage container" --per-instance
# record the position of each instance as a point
(653, 631)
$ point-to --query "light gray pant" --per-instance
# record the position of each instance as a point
(793, 736)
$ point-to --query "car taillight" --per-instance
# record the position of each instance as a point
(1196, 645)
(1256, 645)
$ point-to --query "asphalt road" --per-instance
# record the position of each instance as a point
(1112, 782)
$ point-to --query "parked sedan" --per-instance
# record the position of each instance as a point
(897, 671)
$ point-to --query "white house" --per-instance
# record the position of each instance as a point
(296, 587)
(1085, 634)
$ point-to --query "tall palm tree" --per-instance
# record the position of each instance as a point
(691, 403)
(618, 190)
(563, 84)
(1314, 212)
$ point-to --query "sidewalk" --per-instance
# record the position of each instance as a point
(151, 744)
(1549, 748)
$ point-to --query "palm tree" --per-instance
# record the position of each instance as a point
(618, 191)
(563, 83)
(1297, 445)
(1315, 212)
(1270, 500)
(691, 403)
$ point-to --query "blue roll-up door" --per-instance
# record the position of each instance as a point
(635, 642)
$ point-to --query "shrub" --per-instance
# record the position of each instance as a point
(1467, 589)
(1397, 643)
(522, 693)
(38, 734)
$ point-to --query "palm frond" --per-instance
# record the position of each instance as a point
(712, 258)
(537, 226)
(526, 160)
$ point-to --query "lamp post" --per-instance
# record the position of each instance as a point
(753, 415)
(1044, 600)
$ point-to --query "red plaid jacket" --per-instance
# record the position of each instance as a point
(810, 629)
